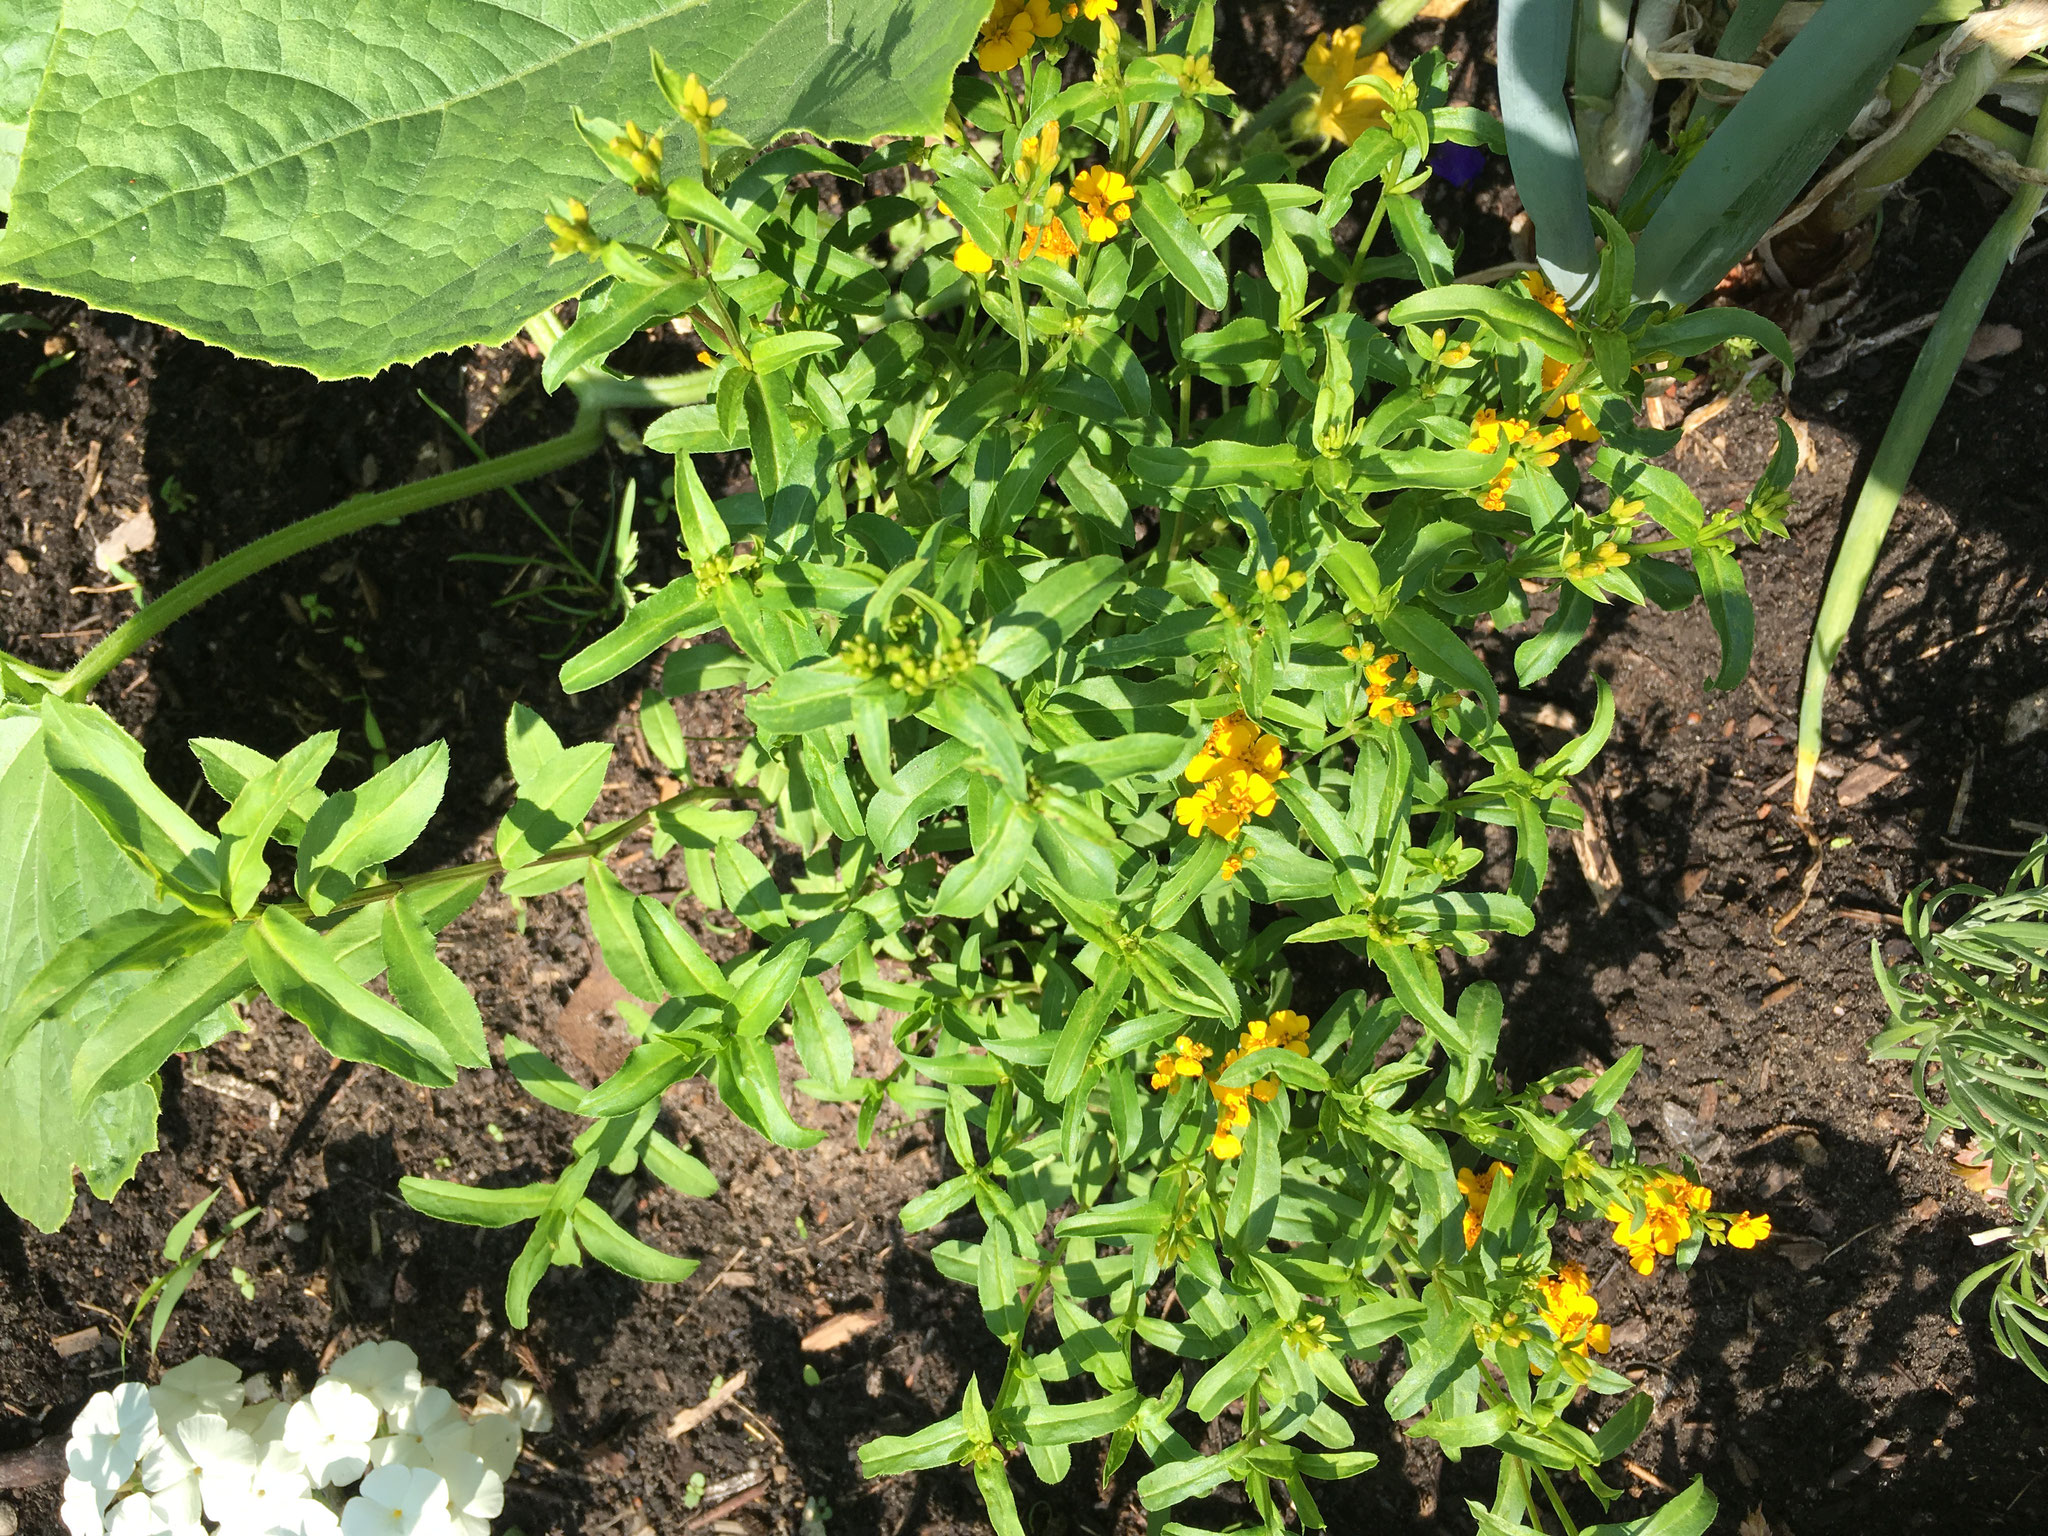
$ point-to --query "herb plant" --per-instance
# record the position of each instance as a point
(1970, 1011)
(1106, 597)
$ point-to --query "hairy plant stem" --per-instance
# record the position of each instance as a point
(595, 394)
(353, 515)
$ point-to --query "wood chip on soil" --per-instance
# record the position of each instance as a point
(835, 1331)
(689, 1418)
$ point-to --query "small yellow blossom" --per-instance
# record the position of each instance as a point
(1572, 1313)
(1670, 1203)
(1094, 10)
(1049, 240)
(1238, 860)
(1746, 1230)
(1606, 556)
(1539, 289)
(705, 359)
(1477, 1188)
(1345, 108)
(1013, 29)
(573, 233)
(1280, 580)
(971, 258)
(1287, 1031)
(1038, 153)
(698, 107)
(1105, 199)
(1183, 1061)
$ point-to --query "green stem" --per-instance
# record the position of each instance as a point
(1542, 1476)
(1358, 257)
(1927, 388)
(603, 392)
(1858, 198)
(353, 515)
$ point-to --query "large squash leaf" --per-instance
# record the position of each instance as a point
(26, 27)
(343, 186)
(60, 873)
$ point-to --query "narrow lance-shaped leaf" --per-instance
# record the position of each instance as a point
(427, 989)
(364, 826)
(292, 965)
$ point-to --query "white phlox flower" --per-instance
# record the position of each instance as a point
(174, 1512)
(297, 1517)
(494, 1439)
(226, 1460)
(525, 1404)
(107, 1438)
(399, 1501)
(331, 1428)
(475, 1492)
(386, 1372)
(414, 1427)
(82, 1509)
(201, 1385)
(263, 1422)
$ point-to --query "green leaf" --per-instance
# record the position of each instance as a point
(972, 887)
(429, 991)
(1024, 635)
(229, 766)
(1082, 1027)
(1509, 316)
(294, 967)
(102, 764)
(603, 325)
(341, 191)
(676, 611)
(1734, 618)
(936, 1445)
(785, 349)
(1690, 1514)
(609, 1243)
(1204, 466)
(473, 1207)
(807, 698)
(677, 1168)
(364, 826)
(1434, 647)
(678, 960)
(24, 49)
(1157, 213)
(613, 922)
(259, 807)
(539, 1075)
(142, 940)
(128, 1045)
(1535, 41)
(557, 787)
(1705, 329)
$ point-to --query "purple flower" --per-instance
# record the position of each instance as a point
(1457, 164)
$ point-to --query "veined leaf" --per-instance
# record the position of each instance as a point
(102, 765)
(1166, 229)
(129, 1044)
(262, 804)
(473, 1207)
(557, 787)
(340, 189)
(293, 966)
(609, 1243)
(429, 991)
(676, 611)
(377, 820)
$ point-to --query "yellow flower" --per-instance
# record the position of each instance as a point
(1345, 108)
(1183, 1061)
(1225, 802)
(698, 107)
(1040, 152)
(1235, 742)
(1572, 1313)
(1477, 1188)
(707, 360)
(1539, 289)
(1280, 580)
(1012, 30)
(971, 258)
(1094, 10)
(1670, 1202)
(1105, 199)
(1238, 860)
(1385, 711)
(1746, 1231)
(1049, 240)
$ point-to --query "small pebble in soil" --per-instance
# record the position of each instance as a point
(9, 1520)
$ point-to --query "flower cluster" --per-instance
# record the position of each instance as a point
(1013, 29)
(1233, 775)
(204, 1445)
(1177, 1065)
(1571, 1312)
(1591, 565)
(1477, 1188)
(907, 667)
(1037, 157)
(1672, 1207)
(1527, 442)
(1285, 1031)
(1346, 106)
(1105, 200)
(1382, 700)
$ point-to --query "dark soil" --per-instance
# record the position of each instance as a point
(1772, 1370)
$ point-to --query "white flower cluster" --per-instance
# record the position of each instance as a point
(205, 1445)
